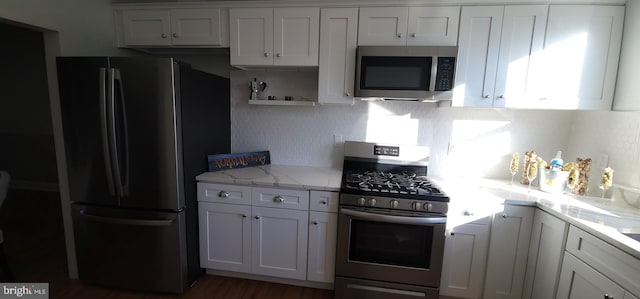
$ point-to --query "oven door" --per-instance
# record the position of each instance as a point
(402, 247)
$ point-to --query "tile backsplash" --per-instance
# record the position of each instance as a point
(464, 141)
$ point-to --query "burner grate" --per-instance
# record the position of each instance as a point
(390, 183)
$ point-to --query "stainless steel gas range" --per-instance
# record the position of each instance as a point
(391, 224)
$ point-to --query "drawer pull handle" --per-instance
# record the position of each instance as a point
(278, 199)
(223, 194)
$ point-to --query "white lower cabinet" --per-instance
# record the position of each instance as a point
(579, 281)
(546, 249)
(274, 235)
(279, 242)
(323, 230)
(225, 236)
(465, 256)
(508, 251)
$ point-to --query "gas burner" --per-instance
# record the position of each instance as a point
(403, 183)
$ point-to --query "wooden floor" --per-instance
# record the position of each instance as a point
(35, 249)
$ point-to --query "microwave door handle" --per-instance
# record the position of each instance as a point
(434, 73)
(393, 219)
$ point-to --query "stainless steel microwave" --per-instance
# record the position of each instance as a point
(421, 73)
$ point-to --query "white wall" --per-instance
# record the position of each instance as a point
(482, 139)
(85, 26)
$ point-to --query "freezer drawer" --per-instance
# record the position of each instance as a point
(132, 249)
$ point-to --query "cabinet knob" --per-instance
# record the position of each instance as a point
(486, 96)
(244, 216)
(257, 217)
(163, 35)
(175, 35)
(223, 194)
(504, 215)
(266, 54)
(347, 94)
(501, 97)
(467, 213)
(606, 296)
(315, 223)
(413, 35)
(278, 199)
(278, 55)
(323, 202)
(399, 35)
(451, 234)
(543, 99)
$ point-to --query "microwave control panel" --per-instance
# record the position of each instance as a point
(444, 76)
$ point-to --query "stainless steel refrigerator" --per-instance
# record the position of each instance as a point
(136, 132)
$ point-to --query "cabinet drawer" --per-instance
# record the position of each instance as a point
(324, 201)
(615, 264)
(224, 193)
(280, 198)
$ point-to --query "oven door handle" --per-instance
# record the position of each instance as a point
(393, 219)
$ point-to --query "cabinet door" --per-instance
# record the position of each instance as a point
(195, 27)
(295, 36)
(521, 46)
(279, 242)
(433, 26)
(225, 236)
(382, 26)
(251, 36)
(337, 62)
(478, 48)
(548, 237)
(579, 281)
(465, 256)
(582, 49)
(323, 229)
(146, 27)
(508, 251)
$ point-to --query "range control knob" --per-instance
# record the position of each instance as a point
(393, 204)
(416, 206)
(428, 207)
(372, 202)
(362, 201)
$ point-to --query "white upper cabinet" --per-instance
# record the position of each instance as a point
(582, 49)
(337, 61)
(415, 26)
(204, 27)
(498, 50)
(280, 36)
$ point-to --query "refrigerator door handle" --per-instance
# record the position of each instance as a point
(114, 116)
(105, 131)
(127, 221)
(121, 117)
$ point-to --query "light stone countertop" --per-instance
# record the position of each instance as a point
(603, 218)
(600, 217)
(286, 176)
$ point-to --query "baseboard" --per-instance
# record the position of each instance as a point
(34, 185)
(300, 283)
